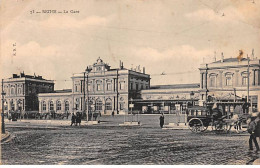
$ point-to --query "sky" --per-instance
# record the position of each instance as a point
(165, 36)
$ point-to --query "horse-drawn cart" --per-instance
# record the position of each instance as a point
(200, 118)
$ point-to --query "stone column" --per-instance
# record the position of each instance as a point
(257, 78)
(236, 83)
(40, 105)
(205, 80)
(253, 80)
(201, 81)
(219, 79)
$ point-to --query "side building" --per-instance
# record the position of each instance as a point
(168, 98)
(99, 89)
(21, 93)
(227, 81)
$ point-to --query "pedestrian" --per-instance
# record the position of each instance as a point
(73, 118)
(252, 130)
(161, 120)
(78, 119)
(113, 113)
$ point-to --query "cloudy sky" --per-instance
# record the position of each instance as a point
(170, 36)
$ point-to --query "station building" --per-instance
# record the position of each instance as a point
(21, 92)
(104, 89)
(227, 81)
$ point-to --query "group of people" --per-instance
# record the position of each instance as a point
(75, 119)
(254, 130)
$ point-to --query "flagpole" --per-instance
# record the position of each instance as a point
(248, 80)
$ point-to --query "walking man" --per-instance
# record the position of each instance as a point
(73, 119)
(161, 120)
(252, 125)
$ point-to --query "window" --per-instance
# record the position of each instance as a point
(77, 104)
(19, 91)
(12, 106)
(244, 80)
(43, 106)
(98, 86)
(89, 87)
(212, 81)
(99, 104)
(76, 88)
(51, 106)
(122, 85)
(58, 105)
(121, 104)
(67, 106)
(12, 90)
(109, 86)
(228, 80)
(108, 105)
(131, 86)
(136, 86)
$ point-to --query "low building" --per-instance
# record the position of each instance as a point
(22, 92)
(168, 98)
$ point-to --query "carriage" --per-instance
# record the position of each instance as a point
(200, 118)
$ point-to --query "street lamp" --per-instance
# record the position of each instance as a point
(3, 121)
(87, 70)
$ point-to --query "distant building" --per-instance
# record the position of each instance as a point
(107, 90)
(22, 92)
(227, 80)
(168, 98)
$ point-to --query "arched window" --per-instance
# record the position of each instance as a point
(228, 79)
(121, 103)
(98, 104)
(244, 78)
(67, 106)
(51, 106)
(58, 107)
(212, 80)
(43, 106)
(12, 90)
(108, 105)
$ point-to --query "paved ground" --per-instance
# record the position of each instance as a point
(45, 142)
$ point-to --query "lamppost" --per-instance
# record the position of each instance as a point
(3, 121)
(131, 106)
(86, 71)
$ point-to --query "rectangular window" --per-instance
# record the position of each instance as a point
(244, 80)
(213, 81)
(228, 81)
(109, 86)
(136, 86)
(122, 85)
(98, 86)
(121, 106)
(131, 86)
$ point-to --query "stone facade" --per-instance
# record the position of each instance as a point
(22, 92)
(104, 90)
(228, 79)
(168, 98)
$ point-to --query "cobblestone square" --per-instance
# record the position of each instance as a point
(108, 143)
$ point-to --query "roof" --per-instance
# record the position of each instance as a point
(230, 60)
(176, 86)
(63, 91)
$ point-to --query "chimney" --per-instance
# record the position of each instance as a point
(222, 57)
(253, 54)
(120, 64)
(144, 70)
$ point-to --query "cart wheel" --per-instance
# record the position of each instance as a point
(196, 125)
